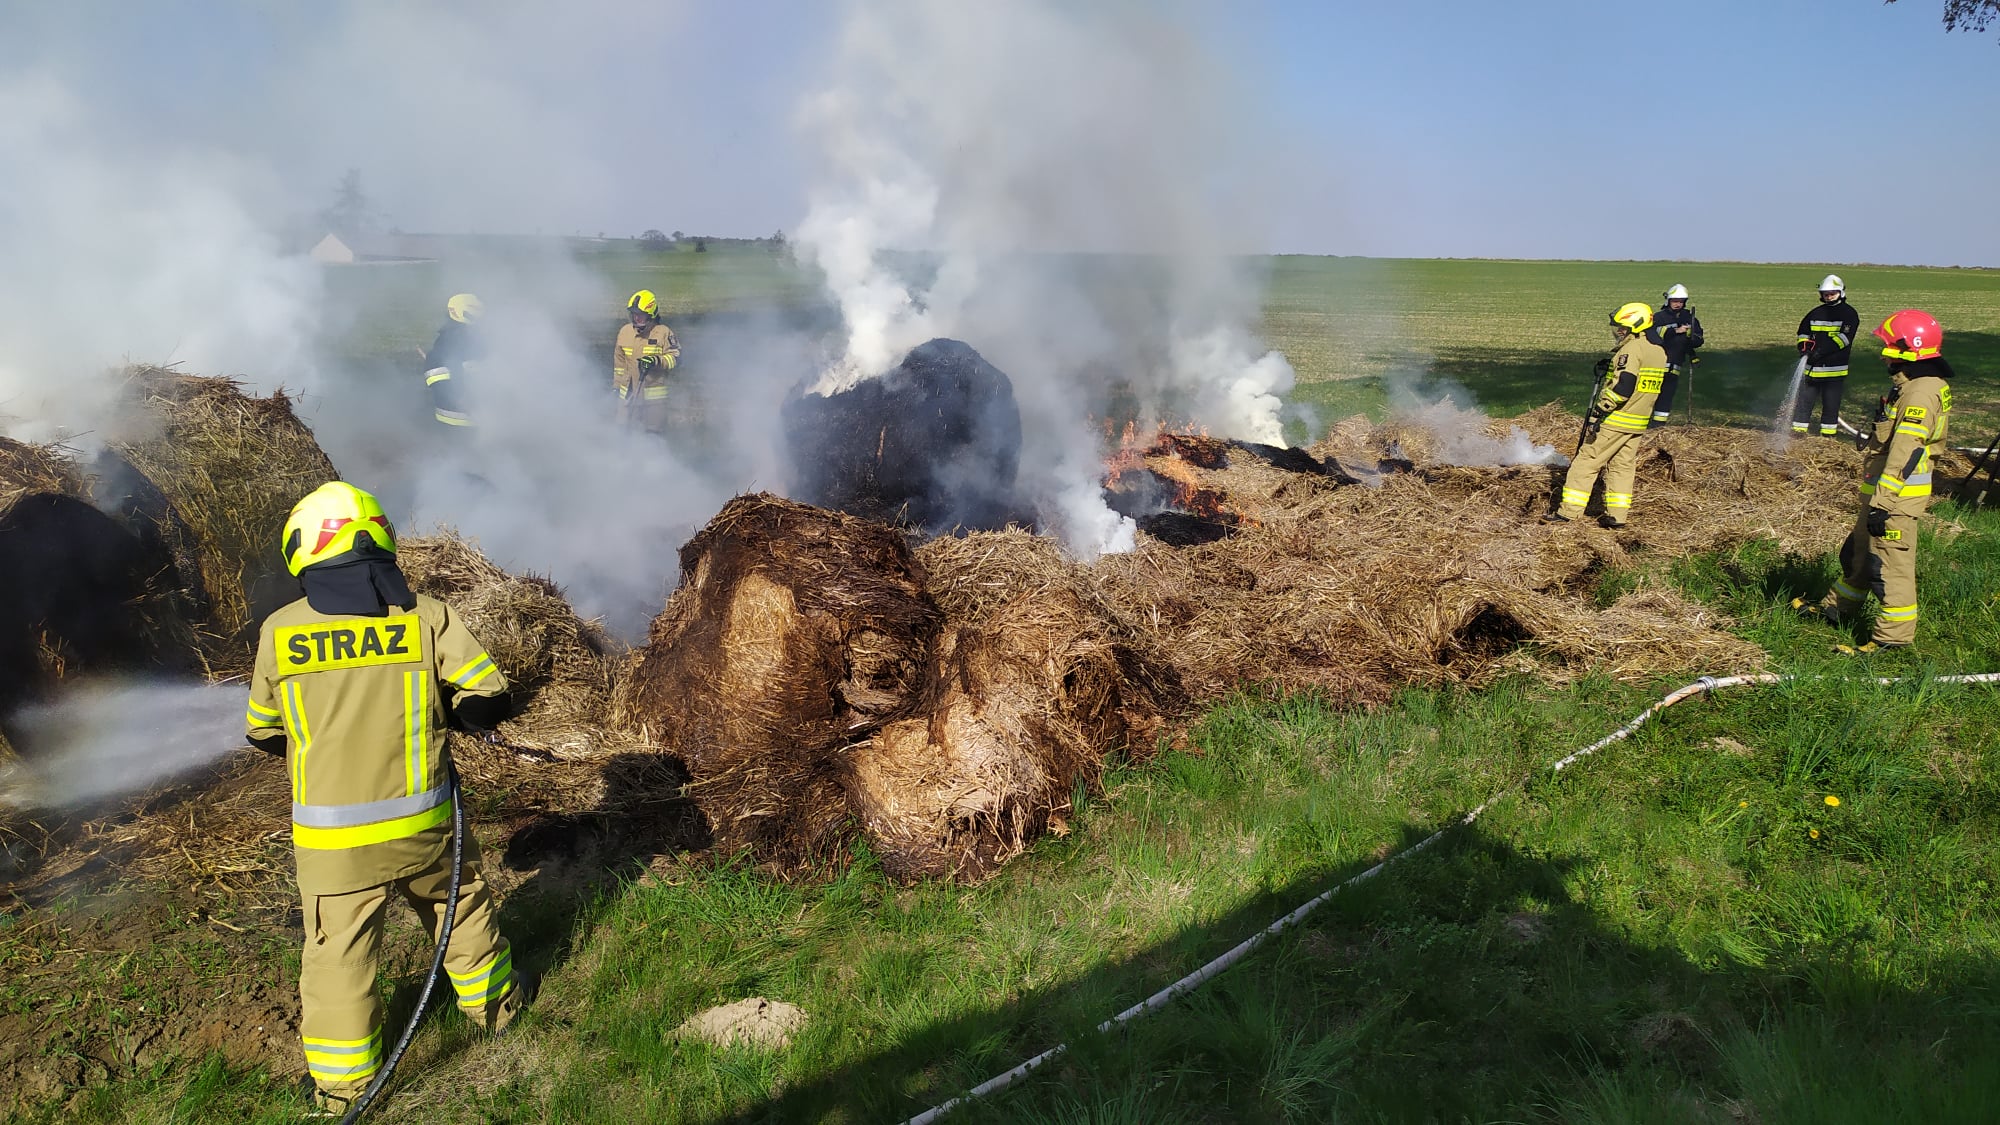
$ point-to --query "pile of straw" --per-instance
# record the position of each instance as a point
(794, 632)
(1037, 680)
(229, 466)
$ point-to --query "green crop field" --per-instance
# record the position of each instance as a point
(1774, 905)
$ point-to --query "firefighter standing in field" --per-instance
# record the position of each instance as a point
(1619, 414)
(1826, 337)
(1678, 332)
(451, 362)
(353, 685)
(640, 360)
(1880, 555)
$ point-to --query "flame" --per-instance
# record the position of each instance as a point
(1174, 457)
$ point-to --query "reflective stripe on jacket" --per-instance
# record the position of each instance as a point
(1831, 329)
(1638, 371)
(1896, 475)
(362, 703)
(628, 354)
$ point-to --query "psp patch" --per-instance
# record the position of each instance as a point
(349, 643)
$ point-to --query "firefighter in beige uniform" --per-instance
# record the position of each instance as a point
(1618, 416)
(640, 360)
(1880, 555)
(352, 684)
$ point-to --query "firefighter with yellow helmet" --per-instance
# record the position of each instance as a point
(353, 685)
(1620, 412)
(1880, 555)
(643, 355)
(452, 360)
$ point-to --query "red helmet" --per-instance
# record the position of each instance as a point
(1911, 334)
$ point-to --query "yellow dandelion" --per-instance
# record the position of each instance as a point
(1813, 832)
(1742, 804)
(1833, 800)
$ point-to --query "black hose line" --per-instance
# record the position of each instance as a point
(382, 1076)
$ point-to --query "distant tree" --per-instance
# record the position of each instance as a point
(778, 240)
(654, 240)
(1967, 15)
(701, 245)
(600, 236)
(680, 235)
(351, 214)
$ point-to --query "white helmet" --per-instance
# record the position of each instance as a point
(1677, 293)
(1831, 283)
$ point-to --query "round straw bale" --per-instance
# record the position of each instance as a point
(230, 467)
(83, 593)
(795, 631)
(1021, 711)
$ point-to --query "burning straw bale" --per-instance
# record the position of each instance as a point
(794, 632)
(230, 467)
(1037, 682)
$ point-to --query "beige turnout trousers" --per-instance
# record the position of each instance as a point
(1886, 567)
(340, 1009)
(1615, 455)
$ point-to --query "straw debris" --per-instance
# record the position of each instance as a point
(229, 466)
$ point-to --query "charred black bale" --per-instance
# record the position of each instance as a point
(934, 443)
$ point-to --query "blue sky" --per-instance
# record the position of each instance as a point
(1702, 129)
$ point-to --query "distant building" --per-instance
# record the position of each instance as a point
(332, 251)
(378, 250)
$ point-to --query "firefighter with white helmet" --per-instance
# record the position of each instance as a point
(1620, 412)
(1678, 332)
(353, 685)
(1826, 337)
(1880, 555)
(641, 358)
(453, 359)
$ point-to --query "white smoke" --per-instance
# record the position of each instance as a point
(1450, 412)
(1035, 178)
(119, 248)
(104, 739)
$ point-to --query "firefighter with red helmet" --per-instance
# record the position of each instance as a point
(1619, 415)
(1826, 338)
(1880, 555)
(353, 685)
(641, 358)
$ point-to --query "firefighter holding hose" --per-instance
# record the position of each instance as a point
(1880, 555)
(1826, 339)
(353, 685)
(643, 354)
(1619, 414)
(1678, 332)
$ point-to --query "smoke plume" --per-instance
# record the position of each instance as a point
(1450, 411)
(1040, 180)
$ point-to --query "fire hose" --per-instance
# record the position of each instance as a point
(1201, 976)
(382, 1076)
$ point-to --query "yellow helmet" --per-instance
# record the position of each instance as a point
(465, 308)
(645, 302)
(1633, 316)
(330, 522)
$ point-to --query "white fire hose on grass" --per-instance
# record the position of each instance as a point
(1249, 945)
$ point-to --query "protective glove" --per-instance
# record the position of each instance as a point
(1878, 523)
(648, 363)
